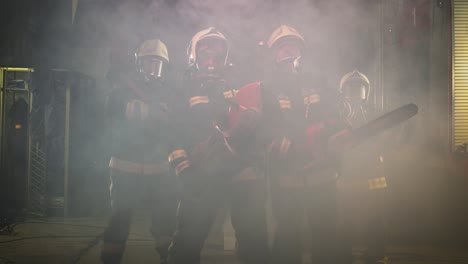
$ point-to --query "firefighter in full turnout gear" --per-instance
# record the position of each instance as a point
(354, 96)
(356, 109)
(138, 117)
(298, 119)
(308, 107)
(206, 161)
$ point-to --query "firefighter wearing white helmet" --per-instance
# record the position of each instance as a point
(206, 162)
(354, 91)
(152, 59)
(138, 114)
(208, 53)
(356, 109)
(355, 86)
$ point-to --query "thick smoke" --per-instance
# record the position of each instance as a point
(341, 36)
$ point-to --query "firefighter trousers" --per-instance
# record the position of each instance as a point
(319, 205)
(375, 237)
(126, 192)
(200, 202)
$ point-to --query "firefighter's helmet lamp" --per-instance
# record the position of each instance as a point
(355, 86)
(151, 59)
(208, 52)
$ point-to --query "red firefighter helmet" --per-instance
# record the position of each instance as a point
(208, 52)
(355, 86)
(287, 46)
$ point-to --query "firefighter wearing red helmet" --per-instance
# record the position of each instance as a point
(207, 160)
(298, 119)
(137, 110)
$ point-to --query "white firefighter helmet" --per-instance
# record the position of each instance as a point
(152, 47)
(150, 57)
(209, 33)
(355, 85)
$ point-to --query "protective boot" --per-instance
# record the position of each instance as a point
(163, 251)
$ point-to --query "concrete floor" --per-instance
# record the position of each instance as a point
(414, 219)
(60, 240)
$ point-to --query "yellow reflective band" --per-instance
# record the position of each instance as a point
(230, 94)
(130, 109)
(311, 99)
(182, 166)
(177, 154)
(285, 104)
(199, 100)
(138, 168)
(155, 169)
(377, 183)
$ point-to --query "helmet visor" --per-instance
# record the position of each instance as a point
(355, 90)
(287, 49)
(151, 67)
(288, 56)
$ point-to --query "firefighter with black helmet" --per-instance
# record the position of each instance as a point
(207, 162)
(138, 116)
(357, 110)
